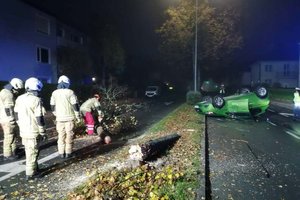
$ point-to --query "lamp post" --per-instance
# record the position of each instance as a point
(196, 47)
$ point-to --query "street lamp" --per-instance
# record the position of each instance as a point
(196, 47)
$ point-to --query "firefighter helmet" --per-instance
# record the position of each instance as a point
(16, 83)
(64, 79)
(33, 84)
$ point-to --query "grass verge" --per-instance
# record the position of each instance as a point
(281, 94)
(177, 175)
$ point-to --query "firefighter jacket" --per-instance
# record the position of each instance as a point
(91, 105)
(64, 105)
(296, 98)
(29, 115)
(7, 103)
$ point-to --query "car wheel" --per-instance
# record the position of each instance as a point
(207, 99)
(261, 92)
(218, 101)
(245, 90)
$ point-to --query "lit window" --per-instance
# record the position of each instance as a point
(43, 55)
(43, 24)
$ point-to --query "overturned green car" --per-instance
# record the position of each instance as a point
(245, 104)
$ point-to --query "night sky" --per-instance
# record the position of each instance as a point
(271, 27)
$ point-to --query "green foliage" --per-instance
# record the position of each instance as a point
(192, 97)
(281, 94)
(218, 35)
(2, 84)
(118, 114)
(140, 183)
(71, 61)
(107, 50)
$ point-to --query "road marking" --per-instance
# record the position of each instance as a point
(272, 110)
(271, 123)
(286, 114)
(17, 167)
(292, 134)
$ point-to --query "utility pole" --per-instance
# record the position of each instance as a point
(196, 47)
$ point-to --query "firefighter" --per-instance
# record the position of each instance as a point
(87, 109)
(297, 103)
(65, 107)
(7, 119)
(29, 112)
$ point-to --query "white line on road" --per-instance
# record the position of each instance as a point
(17, 167)
(292, 134)
(286, 114)
(271, 123)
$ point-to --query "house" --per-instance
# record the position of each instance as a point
(29, 39)
(271, 72)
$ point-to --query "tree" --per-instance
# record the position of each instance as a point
(71, 61)
(106, 48)
(218, 37)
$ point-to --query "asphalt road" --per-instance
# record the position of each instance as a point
(254, 159)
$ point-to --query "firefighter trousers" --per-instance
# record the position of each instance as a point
(65, 136)
(9, 142)
(31, 152)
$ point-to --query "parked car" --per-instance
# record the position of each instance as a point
(152, 91)
(244, 104)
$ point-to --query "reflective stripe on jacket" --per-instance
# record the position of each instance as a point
(90, 105)
(296, 99)
(28, 108)
(7, 103)
(63, 101)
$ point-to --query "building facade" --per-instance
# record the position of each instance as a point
(275, 73)
(29, 39)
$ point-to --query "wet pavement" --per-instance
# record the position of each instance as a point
(252, 159)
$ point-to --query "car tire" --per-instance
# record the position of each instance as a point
(218, 101)
(261, 92)
(207, 99)
(245, 91)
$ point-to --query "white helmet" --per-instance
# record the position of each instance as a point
(64, 79)
(33, 84)
(16, 83)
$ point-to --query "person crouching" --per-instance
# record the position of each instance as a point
(87, 109)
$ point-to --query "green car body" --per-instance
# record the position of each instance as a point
(246, 104)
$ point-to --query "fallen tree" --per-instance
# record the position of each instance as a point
(152, 148)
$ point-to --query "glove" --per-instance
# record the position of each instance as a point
(78, 120)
